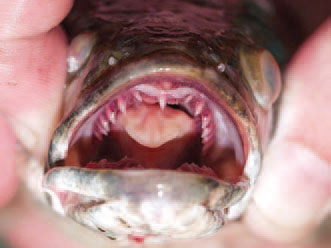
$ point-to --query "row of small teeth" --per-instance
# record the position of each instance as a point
(196, 107)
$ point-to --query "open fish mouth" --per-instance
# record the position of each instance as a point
(160, 122)
(155, 139)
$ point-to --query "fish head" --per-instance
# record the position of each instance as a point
(162, 136)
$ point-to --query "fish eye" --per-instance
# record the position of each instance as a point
(79, 50)
(262, 74)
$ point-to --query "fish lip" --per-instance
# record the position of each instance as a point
(218, 87)
(109, 184)
(86, 194)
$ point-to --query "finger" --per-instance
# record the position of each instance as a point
(41, 235)
(32, 73)
(294, 188)
(20, 18)
(29, 224)
(8, 182)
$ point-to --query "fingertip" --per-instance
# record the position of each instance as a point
(293, 191)
(19, 19)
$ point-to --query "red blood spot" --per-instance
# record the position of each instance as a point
(138, 238)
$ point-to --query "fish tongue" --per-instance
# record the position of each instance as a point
(155, 137)
(152, 127)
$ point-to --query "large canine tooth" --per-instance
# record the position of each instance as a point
(162, 101)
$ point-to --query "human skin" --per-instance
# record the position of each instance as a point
(293, 191)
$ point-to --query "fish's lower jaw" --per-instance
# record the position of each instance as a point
(154, 206)
(154, 220)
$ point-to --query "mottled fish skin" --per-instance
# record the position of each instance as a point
(209, 31)
(217, 42)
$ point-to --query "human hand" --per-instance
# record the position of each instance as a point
(32, 72)
(294, 188)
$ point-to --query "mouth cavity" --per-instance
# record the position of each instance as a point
(161, 125)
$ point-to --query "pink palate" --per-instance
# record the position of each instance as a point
(133, 97)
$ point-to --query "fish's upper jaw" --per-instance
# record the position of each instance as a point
(215, 141)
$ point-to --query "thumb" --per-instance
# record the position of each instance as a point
(293, 193)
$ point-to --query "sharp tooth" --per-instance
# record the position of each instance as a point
(104, 132)
(207, 143)
(162, 101)
(101, 128)
(104, 122)
(122, 105)
(110, 115)
(205, 132)
(206, 139)
(205, 121)
(138, 96)
(198, 108)
(188, 99)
